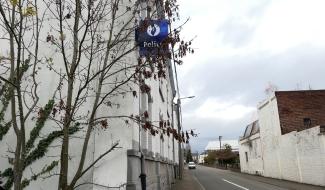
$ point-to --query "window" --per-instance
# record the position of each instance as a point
(307, 122)
(144, 133)
(322, 129)
(161, 94)
(150, 98)
(150, 119)
(246, 156)
(162, 144)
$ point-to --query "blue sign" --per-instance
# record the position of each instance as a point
(151, 36)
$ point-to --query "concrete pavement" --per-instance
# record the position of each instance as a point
(189, 182)
(206, 178)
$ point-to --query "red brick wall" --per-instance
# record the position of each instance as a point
(294, 106)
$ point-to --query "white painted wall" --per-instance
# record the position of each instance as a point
(296, 156)
(310, 154)
(254, 164)
(112, 170)
(270, 132)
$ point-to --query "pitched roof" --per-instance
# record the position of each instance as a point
(251, 129)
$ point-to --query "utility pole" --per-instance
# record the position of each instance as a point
(180, 150)
(180, 143)
(220, 138)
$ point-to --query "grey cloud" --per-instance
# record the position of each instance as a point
(246, 77)
(259, 9)
(236, 33)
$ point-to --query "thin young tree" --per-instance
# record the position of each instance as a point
(20, 32)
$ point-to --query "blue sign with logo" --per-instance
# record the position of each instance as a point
(150, 36)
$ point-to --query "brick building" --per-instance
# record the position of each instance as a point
(299, 110)
(288, 140)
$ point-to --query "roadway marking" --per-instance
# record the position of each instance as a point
(235, 184)
(202, 187)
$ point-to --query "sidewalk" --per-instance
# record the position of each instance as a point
(187, 183)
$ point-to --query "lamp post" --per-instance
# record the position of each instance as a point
(220, 138)
(179, 126)
(188, 97)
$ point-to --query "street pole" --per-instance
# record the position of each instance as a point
(197, 157)
(180, 150)
(180, 143)
(173, 125)
(220, 137)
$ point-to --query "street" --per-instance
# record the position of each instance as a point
(217, 179)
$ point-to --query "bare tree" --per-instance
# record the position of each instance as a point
(89, 49)
(19, 91)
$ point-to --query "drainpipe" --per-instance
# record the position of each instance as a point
(142, 158)
(143, 175)
(172, 123)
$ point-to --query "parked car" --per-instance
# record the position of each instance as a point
(191, 165)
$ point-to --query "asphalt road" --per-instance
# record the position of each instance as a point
(216, 179)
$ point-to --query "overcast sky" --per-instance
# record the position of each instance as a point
(241, 47)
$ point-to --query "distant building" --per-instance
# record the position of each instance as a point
(215, 145)
(202, 156)
(288, 140)
(195, 157)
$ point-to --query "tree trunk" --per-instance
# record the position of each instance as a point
(63, 180)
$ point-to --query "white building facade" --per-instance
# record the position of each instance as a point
(138, 151)
(202, 156)
(250, 151)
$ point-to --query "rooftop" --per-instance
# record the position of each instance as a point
(215, 145)
(251, 129)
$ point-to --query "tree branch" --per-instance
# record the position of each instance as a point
(98, 159)
(7, 81)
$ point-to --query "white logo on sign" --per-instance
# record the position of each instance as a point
(153, 30)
